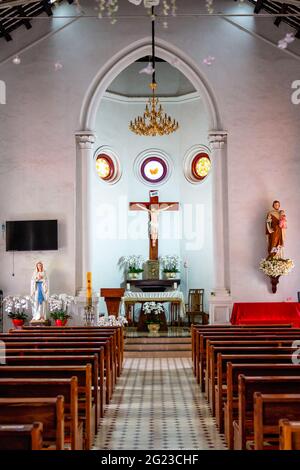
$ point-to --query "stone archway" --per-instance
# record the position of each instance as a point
(220, 301)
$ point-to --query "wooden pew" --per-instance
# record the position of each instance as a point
(221, 386)
(118, 331)
(268, 410)
(49, 411)
(197, 329)
(289, 435)
(269, 347)
(44, 360)
(84, 375)
(199, 335)
(243, 427)
(45, 388)
(21, 436)
(239, 347)
(70, 355)
(234, 370)
(208, 338)
(67, 347)
(108, 342)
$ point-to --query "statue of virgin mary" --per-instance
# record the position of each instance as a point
(39, 292)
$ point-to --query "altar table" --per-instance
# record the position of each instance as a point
(176, 298)
(266, 313)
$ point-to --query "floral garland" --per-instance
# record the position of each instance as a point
(275, 267)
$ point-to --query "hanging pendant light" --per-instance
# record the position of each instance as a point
(154, 120)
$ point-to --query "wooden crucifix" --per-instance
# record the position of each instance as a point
(153, 207)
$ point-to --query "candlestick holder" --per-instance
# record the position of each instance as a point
(89, 315)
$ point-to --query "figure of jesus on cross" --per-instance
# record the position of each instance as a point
(153, 207)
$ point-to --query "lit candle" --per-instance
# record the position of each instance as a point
(89, 285)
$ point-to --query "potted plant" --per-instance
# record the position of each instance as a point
(17, 308)
(170, 265)
(58, 306)
(132, 266)
(153, 312)
(274, 268)
(60, 318)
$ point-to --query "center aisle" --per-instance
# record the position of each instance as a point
(158, 405)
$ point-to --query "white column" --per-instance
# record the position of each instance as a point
(85, 148)
(220, 302)
(85, 151)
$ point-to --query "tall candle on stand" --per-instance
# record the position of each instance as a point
(89, 287)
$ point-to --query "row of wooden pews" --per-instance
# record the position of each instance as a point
(251, 383)
(55, 384)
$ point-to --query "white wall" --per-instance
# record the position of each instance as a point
(110, 214)
(252, 84)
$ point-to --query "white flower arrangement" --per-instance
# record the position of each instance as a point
(132, 263)
(153, 310)
(60, 302)
(170, 263)
(17, 306)
(111, 320)
(275, 267)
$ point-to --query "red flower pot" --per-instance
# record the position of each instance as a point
(17, 322)
(61, 322)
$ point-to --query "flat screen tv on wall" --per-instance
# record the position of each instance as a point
(31, 235)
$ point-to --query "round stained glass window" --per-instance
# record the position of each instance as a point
(154, 169)
(104, 166)
(201, 166)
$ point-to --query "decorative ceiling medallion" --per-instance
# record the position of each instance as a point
(197, 164)
(107, 165)
(153, 167)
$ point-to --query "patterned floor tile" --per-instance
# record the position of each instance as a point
(158, 405)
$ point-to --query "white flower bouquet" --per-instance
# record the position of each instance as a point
(275, 267)
(170, 263)
(153, 310)
(58, 306)
(111, 320)
(132, 263)
(17, 306)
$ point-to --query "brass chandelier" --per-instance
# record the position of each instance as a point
(154, 120)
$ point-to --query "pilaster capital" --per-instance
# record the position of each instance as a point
(85, 139)
(217, 139)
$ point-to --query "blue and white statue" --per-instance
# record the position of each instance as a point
(39, 292)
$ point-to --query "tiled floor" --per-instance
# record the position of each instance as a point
(158, 405)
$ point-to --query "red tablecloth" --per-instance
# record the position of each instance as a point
(266, 312)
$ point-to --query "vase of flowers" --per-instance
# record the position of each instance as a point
(274, 268)
(58, 307)
(132, 265)
(17, 308)
(170, 265)
(153, 312)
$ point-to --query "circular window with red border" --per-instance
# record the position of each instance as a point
(153, 167)
(105, 167)
(201, 166)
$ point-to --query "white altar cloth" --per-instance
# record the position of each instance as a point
(131, 297)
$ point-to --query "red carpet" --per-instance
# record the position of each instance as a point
(266, 313)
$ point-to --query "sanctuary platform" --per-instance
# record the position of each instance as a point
(176, 342)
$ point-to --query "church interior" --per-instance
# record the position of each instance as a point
(149, 249)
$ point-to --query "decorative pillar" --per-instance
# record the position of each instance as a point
(220, 302)
(85, 149)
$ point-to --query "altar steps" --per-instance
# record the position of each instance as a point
(158, 347)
